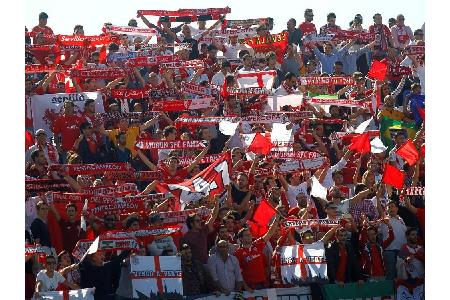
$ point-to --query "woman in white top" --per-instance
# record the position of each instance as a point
(48, 279)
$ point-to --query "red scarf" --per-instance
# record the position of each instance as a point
(51, 150)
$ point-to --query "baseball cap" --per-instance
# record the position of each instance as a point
(39, 131)
(43, 15)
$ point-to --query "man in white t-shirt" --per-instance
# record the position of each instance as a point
(295, 187)
(219, 77)
(48, 279)
(231, 50)
(401, 34)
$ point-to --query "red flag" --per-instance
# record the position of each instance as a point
(393, 176)
(264, 213)
(409, 152)
(260, 144)
(29, 140)
(257, 229)
(273, 42)
(210, 181)
(421, 113)
(378, 70)
(360, 143)
(422, 150)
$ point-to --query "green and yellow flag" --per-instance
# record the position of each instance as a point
(387, 125)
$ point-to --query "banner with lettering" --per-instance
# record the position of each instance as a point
(176, 144)
(129, 30)
(264, 44)
(81, 294)
(46, 108)
(304, 263)
(156, 276)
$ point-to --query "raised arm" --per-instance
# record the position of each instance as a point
(329, 234)
(197, 159)
(149, 188)
(149, 123)
(146, 161)
(360, 196)
(266, 237)
(214, 214)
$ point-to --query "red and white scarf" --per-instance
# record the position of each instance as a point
(185, 12)
(35, 68)
(163, 144)
(293, 155)
(415, 191)
(134, 176)
(129, 93)
(294, 223)
(187, 87)
(110, 73)
(180, 105)
(86, 41)
(195, 64)
(129, 30)
(91, 169)
(116, 190)
(327, 80)
(207, 159)
(44, 185)
(151, 61)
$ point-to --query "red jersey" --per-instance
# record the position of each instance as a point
(382, 34)
(253, 262)
(307, 28)
(69, 128)
(45, 30)
(180, 175)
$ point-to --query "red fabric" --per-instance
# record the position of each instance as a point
(69, 128)
(274, 42)
(361, 143)
(307, 28)
(179, 176)
(260, 144)
(378, 70)
(29, 140)
(393, 176)
(45, 30)
(422, 150)
(55, 233)
(421, 113)
(377, 262)
(261, 217)
(340, 272)
(408, 152)
(253, 262)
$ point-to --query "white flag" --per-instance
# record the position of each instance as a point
(228, 128)
(377, 146)
(362, 127)
(317, 189)
(82, 294)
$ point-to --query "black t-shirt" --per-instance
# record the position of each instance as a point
(40, 231)
(194, 43)
(238, 196)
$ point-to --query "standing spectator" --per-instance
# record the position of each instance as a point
(391, 251)
(219, 77)
(294, 34)
(271, 59)
(37, 168)
(196, 278)
(330, 56)
(413, 255)
(43, 28)
(342, 265)
(383, 37)
(392, 22)
(39, 229)
(197, 236)
(121, 153)
(225, 271)
(292, 62)
(372, 250)
(87, 145)
(48, 279)
(331, 26)
(95, 272)
(252, 260)
(402, 35)
(50, 152)
(66, 130)
(308, 26)
(71, 230)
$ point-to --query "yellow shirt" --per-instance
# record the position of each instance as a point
(394, 114)
(131, 136)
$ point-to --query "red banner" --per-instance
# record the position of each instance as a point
(274, 42)
(150, 61)
(77, 40)
(134, 176)
(327, 80)
(130, 94)
(180, 105)
(111, 73)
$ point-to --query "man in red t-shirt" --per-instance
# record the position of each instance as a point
(43, 28)
(308, 26)
(71, 230)
(67, 129)
(253, 261)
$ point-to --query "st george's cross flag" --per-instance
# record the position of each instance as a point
(261, 79)
(82, 294)
(154, 276)
(303, 263)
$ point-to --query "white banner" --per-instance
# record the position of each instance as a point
(46, 108)
(297, 293)
(156, 276)
(129, 30)
(260, 79)
(277, 102)
(303, 263)
(83, 294)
